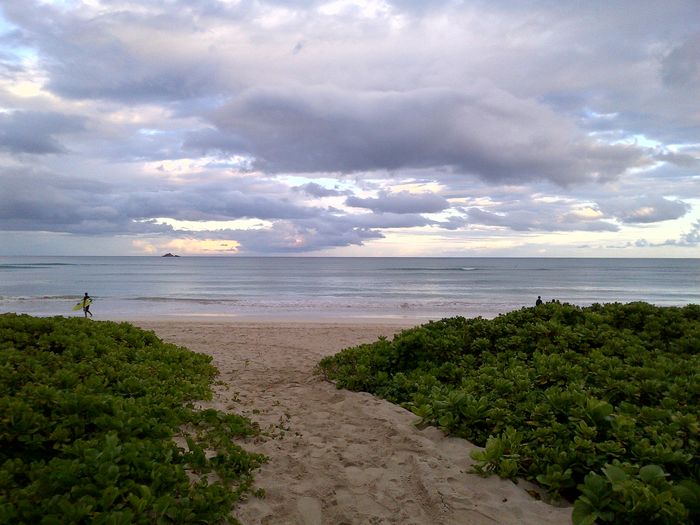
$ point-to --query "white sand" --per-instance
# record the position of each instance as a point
(340, 457)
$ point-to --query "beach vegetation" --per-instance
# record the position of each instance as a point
(598, 405)
(99, 424)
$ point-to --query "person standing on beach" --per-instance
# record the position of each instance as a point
(539, 301)
(86, 305)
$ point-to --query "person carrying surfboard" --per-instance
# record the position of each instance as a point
(86, 304)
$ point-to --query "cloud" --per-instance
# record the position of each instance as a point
(210, 139)
(36, 132)
(540, 219)
(689, 239)
(44, 201)
(402, 202)
(128, 55)
(683, 160)
(514, 118)
(316, 190)
(692, 238)
(644, 210)
(51, 202)
(681, 66)
(479, 130)
(295, 237)
(35, 200)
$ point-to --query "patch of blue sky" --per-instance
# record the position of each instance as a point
(591, 114)
(639, 139)
(634, 139)
(19, 54)
(5, 25)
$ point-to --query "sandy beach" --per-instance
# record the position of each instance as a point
(340, 457)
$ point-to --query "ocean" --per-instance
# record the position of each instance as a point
(306, 288)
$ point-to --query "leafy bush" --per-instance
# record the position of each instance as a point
(90, 416)
(568, 397)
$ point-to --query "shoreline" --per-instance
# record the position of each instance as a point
(193, 319)
(338, 456)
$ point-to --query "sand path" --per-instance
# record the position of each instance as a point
(340, 457)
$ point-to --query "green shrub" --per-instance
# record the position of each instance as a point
(560, 395)
(90, 416)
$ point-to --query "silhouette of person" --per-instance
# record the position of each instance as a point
(86, 305)
(539, 301)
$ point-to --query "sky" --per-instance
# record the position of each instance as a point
(549, 128)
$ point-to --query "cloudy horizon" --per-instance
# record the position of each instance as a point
(350, 128)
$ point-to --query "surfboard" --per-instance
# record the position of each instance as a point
(79, 306)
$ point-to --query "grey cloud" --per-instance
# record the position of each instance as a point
(389, 220)
(316, 190)
(484, 131)
(36, 132)
(136, 147)
(537, 218)
(402, 202)
(211, 139)
(33, 200)
(321, 231)
(692, 238)
(210, 202)
(681, 66)
(493, 100)
(644, 210)
(683, 160)
(123, 55)
(453, 223)
(324, 230)
(688, 239)
(298, 47)
(295, 237)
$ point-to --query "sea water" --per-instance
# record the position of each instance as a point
(324, 288)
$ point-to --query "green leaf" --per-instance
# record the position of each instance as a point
(583, 514)
(651, 473)
(615, 474)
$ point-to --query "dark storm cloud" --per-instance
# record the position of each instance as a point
(36, 132)
(482, 131)
(402, 202)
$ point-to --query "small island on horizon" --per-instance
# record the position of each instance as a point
(170, 255)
